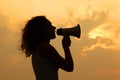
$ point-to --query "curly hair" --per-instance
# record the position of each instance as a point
(32, 34)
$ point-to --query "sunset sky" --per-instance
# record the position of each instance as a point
(96, 54)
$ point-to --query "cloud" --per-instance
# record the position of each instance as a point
(11, 60)
(4, 32)
(100, 62)
(90, 23)
(98, 30)
(8, 42)
(108, 72)
(99, 42)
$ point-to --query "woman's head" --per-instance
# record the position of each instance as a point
(37, 30)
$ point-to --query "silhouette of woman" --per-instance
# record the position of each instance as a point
(46, 60)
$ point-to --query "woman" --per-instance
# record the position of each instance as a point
(46, 60)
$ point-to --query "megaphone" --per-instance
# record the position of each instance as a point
(73, 31)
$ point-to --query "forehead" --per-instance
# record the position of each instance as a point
(48, 23)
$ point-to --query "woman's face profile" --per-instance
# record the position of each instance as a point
(50, 31)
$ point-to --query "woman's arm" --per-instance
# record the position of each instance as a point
(66, 42)
(67, 63)
(50, 52)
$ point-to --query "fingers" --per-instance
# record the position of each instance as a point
(66, 41)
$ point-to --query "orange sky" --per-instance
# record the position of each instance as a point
(96, 54)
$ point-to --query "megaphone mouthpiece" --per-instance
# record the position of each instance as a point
(59, 31)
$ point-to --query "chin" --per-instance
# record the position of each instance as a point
(53, 37)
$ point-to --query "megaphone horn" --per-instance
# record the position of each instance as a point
(73, 31)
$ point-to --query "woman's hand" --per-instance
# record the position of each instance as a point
(68, 62)
(66, 42)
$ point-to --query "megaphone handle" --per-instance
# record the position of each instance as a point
(66, 41)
